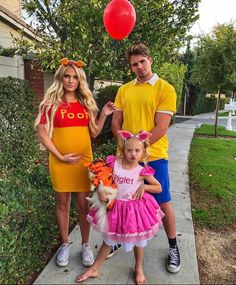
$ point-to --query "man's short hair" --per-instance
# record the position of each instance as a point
(137, 49)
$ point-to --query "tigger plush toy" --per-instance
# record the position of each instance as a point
(101, 178)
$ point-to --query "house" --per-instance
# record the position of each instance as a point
(12, 24)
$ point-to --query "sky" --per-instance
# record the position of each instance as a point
(213, 12)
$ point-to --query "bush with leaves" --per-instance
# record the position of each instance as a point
(102, 97)
(105, 149)
(174, 74)
(8, 52)
(27, 219)
(29, 234)
(28, 225)
(199, 103)
(17, 113)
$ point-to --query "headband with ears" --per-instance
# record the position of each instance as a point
(143, 136)
(66, 61)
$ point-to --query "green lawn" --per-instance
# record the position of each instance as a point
(210, 130)
(212, 173)
(224, 114)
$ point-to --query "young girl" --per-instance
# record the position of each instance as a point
(66, 120)
(135, 216)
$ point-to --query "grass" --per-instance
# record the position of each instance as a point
(224, 114)
(210, 130)
(212, 164)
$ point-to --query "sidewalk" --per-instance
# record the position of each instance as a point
(119, 269)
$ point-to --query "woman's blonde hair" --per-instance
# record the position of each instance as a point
(53, 98)
(121, 146)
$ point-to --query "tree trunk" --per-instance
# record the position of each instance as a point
(186, 95)
(217, 111)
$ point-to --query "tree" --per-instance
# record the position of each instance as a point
(174, 74)
(215, 67)
(74, 28)
(188, 60)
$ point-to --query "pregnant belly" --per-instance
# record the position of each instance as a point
(72, 140)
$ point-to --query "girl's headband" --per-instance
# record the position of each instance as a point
(66, 61)
(142, 136)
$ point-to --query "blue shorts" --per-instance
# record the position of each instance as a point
(162, 175)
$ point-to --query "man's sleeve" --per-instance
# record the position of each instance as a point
(118, 102)
(167, 100)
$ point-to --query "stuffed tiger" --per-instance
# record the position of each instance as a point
(101, 178)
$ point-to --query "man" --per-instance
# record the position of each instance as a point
(148, 103)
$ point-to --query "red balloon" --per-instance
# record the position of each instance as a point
(119, 18)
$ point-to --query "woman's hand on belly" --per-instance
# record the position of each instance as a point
(71, 158)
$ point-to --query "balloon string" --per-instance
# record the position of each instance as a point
(114, 59)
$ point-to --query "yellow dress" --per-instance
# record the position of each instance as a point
(71, 135)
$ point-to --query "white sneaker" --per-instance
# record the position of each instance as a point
(63, 255)
(87, 255)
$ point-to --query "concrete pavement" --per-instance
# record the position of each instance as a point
(208, 118)
(119, 269)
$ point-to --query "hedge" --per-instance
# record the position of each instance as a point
(102, 97)
(198, 103)
(27, 203)
(29, 233)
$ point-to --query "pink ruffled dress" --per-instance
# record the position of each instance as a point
(130, 222)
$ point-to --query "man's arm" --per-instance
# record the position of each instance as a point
(117, 122)
(162, 122)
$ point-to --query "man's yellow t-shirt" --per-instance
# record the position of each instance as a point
(139, 102)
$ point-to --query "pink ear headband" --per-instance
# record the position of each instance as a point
(143, 136)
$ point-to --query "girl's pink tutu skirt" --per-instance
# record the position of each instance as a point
(130, 221)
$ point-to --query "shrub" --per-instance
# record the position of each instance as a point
(201, 104)
(106, 94)
(174, 74)
(19, 147)
(102, 97)
(8, 52)
(105, 149)
(27, 204)
(28, 225)
(29, 233)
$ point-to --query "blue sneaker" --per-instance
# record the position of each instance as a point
(173, 262)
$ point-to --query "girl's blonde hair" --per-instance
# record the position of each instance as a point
(53, 98)
(121, 146)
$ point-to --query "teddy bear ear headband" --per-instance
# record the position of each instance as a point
(66, 61)
(142, 136)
